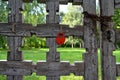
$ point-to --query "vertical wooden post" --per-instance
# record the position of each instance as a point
(14, 42)
(52, 7)
(107, 40)
(90, 57)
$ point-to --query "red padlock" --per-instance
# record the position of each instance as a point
(60, 39)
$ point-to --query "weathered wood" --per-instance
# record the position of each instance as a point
(77, 68)
(75, 2)
(16, 68)
(15, 6)
(117, 3)
(59, 69)
(52, 7)
(27, 1)
(107, 41)
(53, 68)
(41, 30)
(15, 16)
(90, 42)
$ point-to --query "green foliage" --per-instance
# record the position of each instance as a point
(116, 18)
(34, 13)
(72, 41)
(3, 12)
(3, 42)
(73, 16)
(3, 18)
(34, 42)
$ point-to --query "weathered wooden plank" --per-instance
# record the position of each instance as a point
(77, 68)
(14, 53)
(52, 7)
(90, 42)
(15, 6)
(75, 2)
(53, 78)
(16, 68)
(117, 3)
(53, 68)
(59, 69)
(27, 1)
(15, 16)
(41, 30)
(107, 41)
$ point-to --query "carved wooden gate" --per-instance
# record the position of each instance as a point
(15, 67)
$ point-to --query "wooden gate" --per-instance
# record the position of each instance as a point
(15, 67)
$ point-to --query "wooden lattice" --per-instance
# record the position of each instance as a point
(15, 67)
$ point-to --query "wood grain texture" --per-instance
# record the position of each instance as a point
(59, 69)
(75, 2)
(107, 41)
(16, 68)
(41, 30)
(117, 3)
(52, 7)
(14, 43)
(90, 42)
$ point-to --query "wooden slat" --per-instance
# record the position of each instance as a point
(90, 42)
(42, 30)
(14, 43)
(117, 3)
(16, 68)
(77, 68)
(107, 41)
(75, 2)
(53, 68)
(52, 7)
(27, 1)
(59, 69)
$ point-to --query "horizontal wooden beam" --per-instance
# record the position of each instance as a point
(75, 2)
(41, 30)
(26, 1)
(16, 67)
(117, 3)
(42, 68)
(59, 68)
(77, 68)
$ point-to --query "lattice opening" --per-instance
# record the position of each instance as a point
(34, 77)
(71, 77)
